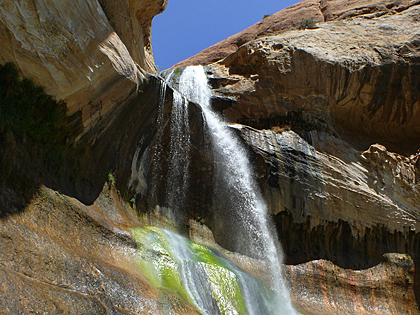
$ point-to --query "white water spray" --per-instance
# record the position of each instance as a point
(177, 183)
(255, 231)
(177, 176)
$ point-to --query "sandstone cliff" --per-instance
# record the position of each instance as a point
(61, 256)
(92, 54)
(291, 18)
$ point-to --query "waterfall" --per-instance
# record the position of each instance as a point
(200, 275)
(157, 157)
(176, 172)
(249, 224)
(177, 182)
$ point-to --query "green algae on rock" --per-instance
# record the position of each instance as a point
(198, 274)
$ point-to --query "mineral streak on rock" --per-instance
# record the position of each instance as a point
(329, 181)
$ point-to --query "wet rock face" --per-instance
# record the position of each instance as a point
(326, 179)
(336, 140)
(90, 53)
(61, 256)
(330, 201)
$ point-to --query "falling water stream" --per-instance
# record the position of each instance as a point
(257, 233)
(195, 272)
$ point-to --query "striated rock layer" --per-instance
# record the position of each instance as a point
(359, 75)
(319, 287)
(332, 202)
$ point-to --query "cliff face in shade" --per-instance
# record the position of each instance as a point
(333, 202)
(327, 180)
(92, 54)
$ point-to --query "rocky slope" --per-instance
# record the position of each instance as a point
(61, 256)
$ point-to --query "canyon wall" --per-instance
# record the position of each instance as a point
(330, 113)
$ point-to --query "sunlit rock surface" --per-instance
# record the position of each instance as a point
(92, 54)
(359, 75)
(291, 18)
(320, 287)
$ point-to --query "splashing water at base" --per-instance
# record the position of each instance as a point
(200, 275)
(255, 233)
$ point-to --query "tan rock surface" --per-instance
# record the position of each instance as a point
(291, 18)
(73, 49)
(384, 289)
(359, 75)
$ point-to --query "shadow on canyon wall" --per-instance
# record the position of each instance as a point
(39, 148)
(36, 153)
(336, 242)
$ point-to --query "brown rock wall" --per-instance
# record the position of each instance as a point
(326, 180)
(332, 202)
(359, 75)
(384, 289)
(73, 49)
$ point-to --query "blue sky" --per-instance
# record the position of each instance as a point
(188, 26)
